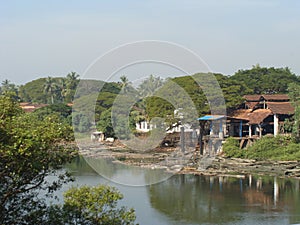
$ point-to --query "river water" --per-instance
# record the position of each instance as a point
(190, 199)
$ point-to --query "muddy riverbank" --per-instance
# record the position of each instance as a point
(189, 162)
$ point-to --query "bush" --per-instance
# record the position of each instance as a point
(274, 148)
(231, 148)
(267, 148)
(91, 205)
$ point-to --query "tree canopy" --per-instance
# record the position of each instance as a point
(264, 80)
(34, 146)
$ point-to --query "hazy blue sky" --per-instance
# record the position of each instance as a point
(42, 38)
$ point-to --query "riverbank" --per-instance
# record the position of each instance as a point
(175, 161)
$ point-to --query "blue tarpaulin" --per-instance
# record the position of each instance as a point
(211, 117)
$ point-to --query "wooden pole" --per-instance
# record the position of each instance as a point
(182, 139)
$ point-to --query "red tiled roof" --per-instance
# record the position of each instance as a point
(258, 116)
(281, 107)
(241, 114)
(254, 117)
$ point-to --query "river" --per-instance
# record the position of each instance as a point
(190, 199)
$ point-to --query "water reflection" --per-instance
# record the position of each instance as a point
(226, 200)
(124, 174)
(189, 199)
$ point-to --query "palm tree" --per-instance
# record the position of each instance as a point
(63, 88)
(124, 84)
(72, 80)
(8, 87)
(150, 85)
(50, 87)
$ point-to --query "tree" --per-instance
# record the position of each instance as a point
(8, 87)
(81, 122)
(72, 81)
(124, 84)
(30, 150)
(62, 110)
(105, 123)
(294, 94)
(149, 86)
(92, 205)
(264, 80)
(31, 91)
(50, 88)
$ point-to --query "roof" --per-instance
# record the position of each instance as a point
(251, 105)
(242, 114)
(212, 117)
(281, 97)
(30, 107)
(281, 107)
(254, 117)
(258, 116)
(274, 97)
(252, 97)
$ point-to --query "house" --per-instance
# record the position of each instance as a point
(261, 115)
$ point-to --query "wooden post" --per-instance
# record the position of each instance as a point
(182, 139)
(200, 140)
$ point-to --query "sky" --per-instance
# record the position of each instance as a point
(53, 38)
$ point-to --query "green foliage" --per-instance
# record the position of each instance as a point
(267, 148)
(158, 107)
(30, 150)
(294, 94)
(33, 91)
(233, 90)
(55, 89)
(86, 87)
(81, 122)
(231, 148)
(91, 205)
(105, 124)
(62, 110)
(9, 88)
(264, 80)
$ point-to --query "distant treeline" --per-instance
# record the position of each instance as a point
(257, 80)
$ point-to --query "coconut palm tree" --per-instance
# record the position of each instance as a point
(149, 86)
(124, 84)
(50, 88)
(72, 80)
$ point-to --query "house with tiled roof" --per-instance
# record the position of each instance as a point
(261, 115)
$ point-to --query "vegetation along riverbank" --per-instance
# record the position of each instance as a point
(38, 120)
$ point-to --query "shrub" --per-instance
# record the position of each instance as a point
(231, 148)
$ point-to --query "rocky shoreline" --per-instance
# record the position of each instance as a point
(174, 161)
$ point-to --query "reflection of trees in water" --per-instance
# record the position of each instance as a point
(116, 171)
(193, 199)
(199, 199)
(80, 167)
